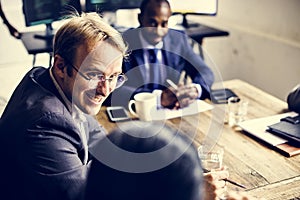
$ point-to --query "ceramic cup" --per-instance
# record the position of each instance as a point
(145, 105)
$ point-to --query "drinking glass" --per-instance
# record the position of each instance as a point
(212, 160)
(237, 110)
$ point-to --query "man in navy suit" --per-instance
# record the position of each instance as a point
(47, 126)
(174, 54)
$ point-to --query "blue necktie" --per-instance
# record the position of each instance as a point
(154, 68)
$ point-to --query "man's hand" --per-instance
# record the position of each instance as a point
(236, 195)
(168, 98)
(181, 97)
(214, 185)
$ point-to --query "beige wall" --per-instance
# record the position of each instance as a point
(264, 43)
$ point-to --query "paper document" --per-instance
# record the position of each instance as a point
(196, 107)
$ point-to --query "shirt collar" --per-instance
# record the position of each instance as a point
(72, 108)
(146, 44)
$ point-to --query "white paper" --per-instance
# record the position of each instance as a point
(196, 107)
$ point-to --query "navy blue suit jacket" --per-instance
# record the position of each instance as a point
(178, 55)
(41, 149)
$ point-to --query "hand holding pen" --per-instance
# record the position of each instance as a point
(181, 95)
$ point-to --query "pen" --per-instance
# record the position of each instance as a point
(172, 84)
(234, 183)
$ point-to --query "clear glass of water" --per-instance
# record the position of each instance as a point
(212, 160)
(237, 110)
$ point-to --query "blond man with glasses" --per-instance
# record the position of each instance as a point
(48, 123)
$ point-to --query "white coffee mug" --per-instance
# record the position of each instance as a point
(145, 105)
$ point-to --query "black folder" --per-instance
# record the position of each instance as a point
(288, 128)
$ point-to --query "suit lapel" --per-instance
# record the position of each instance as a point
(167, 49)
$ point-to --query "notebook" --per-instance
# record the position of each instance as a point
(287, 129)
(258, 128)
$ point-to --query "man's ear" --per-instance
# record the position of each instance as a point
(59, 66)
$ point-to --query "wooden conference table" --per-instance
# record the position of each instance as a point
(266, 173)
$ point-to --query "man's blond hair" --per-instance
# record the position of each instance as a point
(85, 29)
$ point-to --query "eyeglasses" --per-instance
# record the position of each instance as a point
(115, 80)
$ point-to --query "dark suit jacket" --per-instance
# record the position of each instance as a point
(41, 149)
(293, 100)
(178, 55)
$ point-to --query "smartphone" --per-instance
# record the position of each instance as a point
(221, 96)
(117, 113)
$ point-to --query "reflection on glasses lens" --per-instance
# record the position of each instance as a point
(115, 81)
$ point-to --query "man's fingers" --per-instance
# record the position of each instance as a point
(180, 98)
(221, 193)
(220, 183)
(181, 78)
(187, 91)
(184, 102)
(216, 175)
(189, 80)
